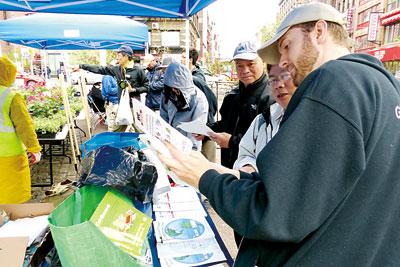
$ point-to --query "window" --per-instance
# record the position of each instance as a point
(363, 43)
(392, 33)
(392, 4)
(364, 16)
(362, 2)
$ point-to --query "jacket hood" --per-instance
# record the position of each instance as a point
(373, 62)
(198, 72)
(179, 77)
(8, 72)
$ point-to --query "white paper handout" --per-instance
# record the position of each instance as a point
(178, 194)
(176, 249)
(162, 185)
(151, 123)
(180, 214)
(193, 260)
(178, 206)
(30, 227)
(196, 127)
(182, 229)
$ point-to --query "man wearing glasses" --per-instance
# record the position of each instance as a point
(266, 124)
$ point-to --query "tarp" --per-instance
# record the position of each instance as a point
(74, 32)
(145, 8)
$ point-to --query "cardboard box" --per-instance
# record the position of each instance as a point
(12, 249)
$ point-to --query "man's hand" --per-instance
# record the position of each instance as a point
(76, 68)
(189, 168)
(34, 158)
(248, 168)
(198, 137)
(222, 139)
(130, 88)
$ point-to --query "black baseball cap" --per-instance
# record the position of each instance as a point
(125, 49)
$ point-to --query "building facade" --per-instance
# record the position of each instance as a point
(374, 26)
(388, 50)
(285, 6)
(167, 37)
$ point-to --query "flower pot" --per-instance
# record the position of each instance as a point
(46, 135)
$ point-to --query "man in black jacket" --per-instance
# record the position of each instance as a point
(242, 104)
(208, 147)
(124, 72)
(328, 188)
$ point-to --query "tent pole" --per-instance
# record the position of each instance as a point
(45, 66)
(71, 131)
(82, 87)
(187, 41)
(103, 57)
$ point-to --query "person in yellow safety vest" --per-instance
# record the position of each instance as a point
(18, 140)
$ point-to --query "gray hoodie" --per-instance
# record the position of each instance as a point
(196, 106)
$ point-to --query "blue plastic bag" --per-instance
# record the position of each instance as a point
(117, 140)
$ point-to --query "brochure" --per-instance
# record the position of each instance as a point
(182, 229)
(178, 194)
(151, 123)
(193, 260)
(185, 248)
(162, 185)
(122, 223)
(196, 127)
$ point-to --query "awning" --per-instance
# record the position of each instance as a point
(74, 32)
(390, 19)
(145, 8)
(389, 53)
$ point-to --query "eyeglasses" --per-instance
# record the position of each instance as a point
(283, 77)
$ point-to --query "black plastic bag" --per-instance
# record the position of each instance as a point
(127, 172)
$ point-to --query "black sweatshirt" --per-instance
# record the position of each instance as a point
(328, 188)
(135, 76)
(238, 110)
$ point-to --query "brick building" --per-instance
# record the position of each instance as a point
(374, 25)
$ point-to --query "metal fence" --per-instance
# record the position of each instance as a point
(220, 89)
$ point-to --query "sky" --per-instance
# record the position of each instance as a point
(240, 20)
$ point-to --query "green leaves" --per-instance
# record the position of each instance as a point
(47, 108)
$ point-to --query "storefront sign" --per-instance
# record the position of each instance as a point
(386, 53)
(349, 18)
(373, 26)
(170, 39)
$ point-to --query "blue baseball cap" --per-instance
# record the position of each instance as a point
(245, 50)
(125, 49)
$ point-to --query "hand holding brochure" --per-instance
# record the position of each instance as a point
(151, 123)
(196, 127)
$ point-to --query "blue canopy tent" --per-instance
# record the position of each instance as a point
(145, 8)
(74, 32)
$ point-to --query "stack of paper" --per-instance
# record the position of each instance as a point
(179, 202)
(30, 227)
(184, 237)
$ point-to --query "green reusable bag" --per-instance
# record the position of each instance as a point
(78, 241)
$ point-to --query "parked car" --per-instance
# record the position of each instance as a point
(27, 80)
(90, 78)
